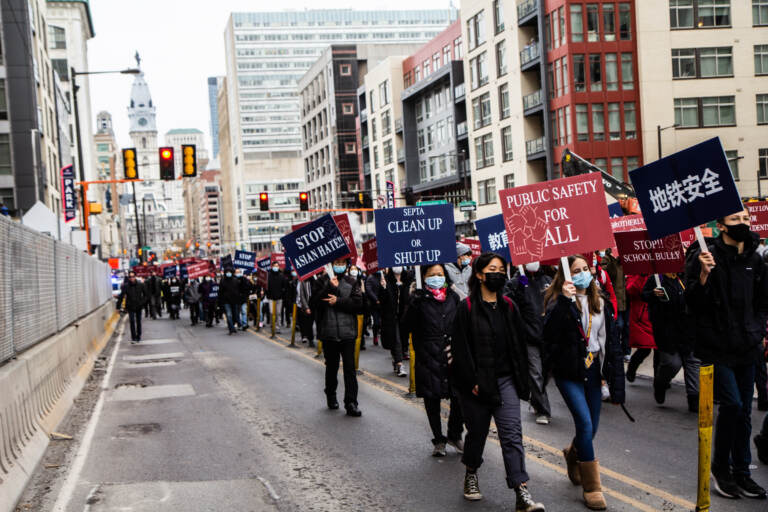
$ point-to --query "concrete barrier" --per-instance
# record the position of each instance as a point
(38, 389)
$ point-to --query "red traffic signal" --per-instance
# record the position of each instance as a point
(167, 171)
(303, 201)
(264, 202)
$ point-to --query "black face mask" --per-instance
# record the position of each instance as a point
(494, 281)
(739, 232)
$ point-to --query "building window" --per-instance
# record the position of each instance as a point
(762, 158)
(632, 163)
(609, 22)
(5, 154)
(759, 12)
(705, 112)
(595, 73)
(504, 106)
(387, 152)
(347, 109)
(425, 68)
(416, 74)
(579, 76)
(687, 112)
(733, 161)
(478, 70)
(681, 13)
(702, 62)
(498, 16)
(484, 151)
(627, 72)
(625, 22)
(420, 141)
(375, 157)
(762, 109)
(630, 121)
(761, 59)
(598, 122)
(3, 101)
(501, 59)
(509, 180)
(617, 168)
(684, 63)
(57, 38)
(419, 111)
(384, 93)
(577, 24)
(436, 61)
(486, 191)
(582, 123)
(593, 23)
(614, 121)
(345, 69)
(562, 25)
(476, 30)
(611, 72)
(446, 55)
(349, 148)
(458, 51)
(61, 66)
(386, 123)
(481, 110)
(506, 143)
(373, 129)
(699, 13)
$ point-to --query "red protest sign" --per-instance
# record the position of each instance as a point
(342, 221)
(261, 277)
(199, 269)
(556, 218)
(475, 245)
(639, 255)
(279, 258)
(370, 256)
(627, 223)
(758, 217)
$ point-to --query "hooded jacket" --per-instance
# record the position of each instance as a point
(673, 330)
(393, 300)
(135, 295)
(458, 278)
(337, 322)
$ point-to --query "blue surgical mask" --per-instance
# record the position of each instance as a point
(275, 269)
(229, 274)
(293, 273)
(435, 282)
(339, 269)
(464, 262)
(354, 273)
(582, 280)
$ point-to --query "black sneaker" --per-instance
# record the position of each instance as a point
(748, 488)
(472, 487)
(659, 394)
(725, 486)
(524, 501)
(761, 443)
(693, 403)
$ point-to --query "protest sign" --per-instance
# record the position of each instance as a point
(264, 263)
(415, 235)
(614, 210)
(475, 245)
(68, 196)
(370, 256)
(556, 218)
(758, 217)
(640, 255)
(169, 271)
(493, 235)
(342, 221)
(279, 258)
(199, 269)
(226, 261)
(686, 189)
(245, 260)
(314, 245)
(627, 223)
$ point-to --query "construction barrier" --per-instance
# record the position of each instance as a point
(706, 410)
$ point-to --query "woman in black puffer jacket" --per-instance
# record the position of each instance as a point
(429, 318)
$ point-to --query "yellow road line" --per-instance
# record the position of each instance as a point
(659, 493)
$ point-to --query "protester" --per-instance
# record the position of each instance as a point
(393, 297)
(489, 370)
(210, 293)
(726, 289)
(337, 301)
(174, 297)
(136, 298)
(458, 273)
(354, 273)
(192, 298)
(289, 298)
(582, 348)
(245, 289)
(615, 271)
(372, 288)
(640, 328)
(275, 289)
(429, 317)
(306, 315)
(154, 292)
(229, 297)
(673, 335)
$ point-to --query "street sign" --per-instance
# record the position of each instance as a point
(431, 202)
(390, 194)
(68, 192)
(467, 206)
(415, 235)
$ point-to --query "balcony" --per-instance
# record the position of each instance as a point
(532, 101)
(461, 130)
(535, 148)
(399, 125)
(365, 142)
(363, 115)
(527, 10)
(401, 155)
(529, 55)
(367, 168)
(459, 92)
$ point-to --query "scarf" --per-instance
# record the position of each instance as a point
(439, 294)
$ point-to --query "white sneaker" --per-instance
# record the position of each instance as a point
(542, 419)
(605, 392)
(401, 371)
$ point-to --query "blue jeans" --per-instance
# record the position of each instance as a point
(231, 310)
(733, 428)
(584, 401)
(244, 314)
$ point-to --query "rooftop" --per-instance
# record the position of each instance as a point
(87, 6)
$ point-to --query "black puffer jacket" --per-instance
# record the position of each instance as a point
(673, 330)
(229, 290)
(393, 300)
(431, 323)
(135, 295)
(729, 311)
(532, 296)
(337, 322)
(275, 285)
(565, 346)
(472, 347)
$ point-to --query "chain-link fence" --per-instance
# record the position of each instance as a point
(45, 285)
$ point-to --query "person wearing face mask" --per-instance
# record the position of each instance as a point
(372, 288)
(174, 298)
(726, 290)
(673, 334)
(336, 302)
(458, 273)
(136, 298)
(613, 268)
(581, 348)
(276, 285)
(245, 289)
(429, 317)
(229, 297)
(354, 273)
(192, 298)
(289, 298)
(529, 289)
(209, 290)
(393, 297)
(489, 369)
(306, 315)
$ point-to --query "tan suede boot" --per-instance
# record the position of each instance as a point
(572, 462)
(590, 481)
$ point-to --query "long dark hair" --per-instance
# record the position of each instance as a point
(478, 265)
(556, 288)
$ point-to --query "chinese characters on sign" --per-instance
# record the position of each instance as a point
(688, 190)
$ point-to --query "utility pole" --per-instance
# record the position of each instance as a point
(136, 218)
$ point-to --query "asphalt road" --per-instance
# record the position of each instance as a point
(195, 420)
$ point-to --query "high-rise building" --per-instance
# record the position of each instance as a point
(107, 156)
(266, 54)
(214, 82)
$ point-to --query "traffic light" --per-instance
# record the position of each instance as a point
(130, 168)
(363, 200)
(166, 164)
(189, 160)
(304, 201)
(264, 202)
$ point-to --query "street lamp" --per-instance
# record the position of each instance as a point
(659, 129)
(74, 74)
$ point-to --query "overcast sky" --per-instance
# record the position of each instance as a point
(181, 43)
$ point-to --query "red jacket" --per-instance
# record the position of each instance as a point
(605, 283)
(640, 329)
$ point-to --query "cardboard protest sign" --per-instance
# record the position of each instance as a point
(641, 255)
(475, 245)
(556, 218)
(627, 223)
(415, 235)
(342, 221)
(199, 269)
(686, 189)
(493, 235)
(758, 217)
(312, 246)
(245, 260)
(370, 256)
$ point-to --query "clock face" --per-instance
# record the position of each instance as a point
(142, 121)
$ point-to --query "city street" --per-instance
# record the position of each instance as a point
(194, 420)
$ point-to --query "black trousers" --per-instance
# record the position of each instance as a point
(134, 317)
(306, 324)
(455, 420)
(209, 309)
(193, 312)
(333, 350)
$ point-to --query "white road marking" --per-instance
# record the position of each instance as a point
(147, 365)
(161, 341)
(269, 488)
(152, 357)
(152, 392)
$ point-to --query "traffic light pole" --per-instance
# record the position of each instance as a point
(87, 207)
(139, 252)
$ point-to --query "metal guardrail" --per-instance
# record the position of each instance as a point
(461, 128)
(532, 100)
(526, 8)
(459, 91)
(529, 53)
(45, 286)
(534, 146)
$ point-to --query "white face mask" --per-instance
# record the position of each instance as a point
(532, 267)
(354, 273)
(397, 270)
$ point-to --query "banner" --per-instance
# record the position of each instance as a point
(313, 246)
(493, 235)
(627, 223)
(641, 255)
(686, 189)
(556, 218)
(169, 272)
(68, 199)
(758, 217)
(415, 235)
(195, 270)
(245, 260)
(370, 256)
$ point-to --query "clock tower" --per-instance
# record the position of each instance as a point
(143, 130)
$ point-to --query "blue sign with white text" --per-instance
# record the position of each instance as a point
(686, 189)
(245, 260)
(614, 210)
(169, 272)
(415, 235)
(264, 263)
(493, 236)
(314, 245)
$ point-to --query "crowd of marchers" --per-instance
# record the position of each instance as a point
(486, 337)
